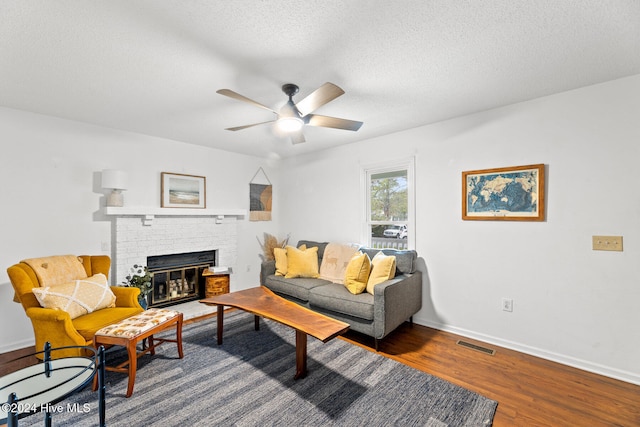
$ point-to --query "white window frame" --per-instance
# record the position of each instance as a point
(367, 171)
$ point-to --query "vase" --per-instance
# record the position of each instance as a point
(142, 300)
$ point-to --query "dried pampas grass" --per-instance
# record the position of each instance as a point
(271, 242)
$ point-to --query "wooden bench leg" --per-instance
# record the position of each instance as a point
(179, 336)
(152, 347)
(133, 364)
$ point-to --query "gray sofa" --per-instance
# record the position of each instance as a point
(394, 301)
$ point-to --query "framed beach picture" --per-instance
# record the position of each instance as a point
(183, 191)
(504, 194)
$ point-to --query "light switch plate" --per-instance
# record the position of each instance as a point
(607, 243)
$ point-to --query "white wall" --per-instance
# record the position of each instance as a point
(50, 195)
(571, 304)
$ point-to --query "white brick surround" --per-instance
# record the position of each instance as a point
(134, 240)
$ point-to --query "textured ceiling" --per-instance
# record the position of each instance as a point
(153, 66)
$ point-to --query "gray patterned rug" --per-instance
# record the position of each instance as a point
(248, 381)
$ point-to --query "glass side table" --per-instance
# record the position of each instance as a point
(40, 387)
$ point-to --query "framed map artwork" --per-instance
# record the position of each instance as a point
(504, 194)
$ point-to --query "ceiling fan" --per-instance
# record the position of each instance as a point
(293, 116)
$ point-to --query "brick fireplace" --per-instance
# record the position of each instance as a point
(141, 237)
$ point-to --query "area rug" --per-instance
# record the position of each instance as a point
(248, 381)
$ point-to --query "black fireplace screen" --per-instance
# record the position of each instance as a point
(177, 278)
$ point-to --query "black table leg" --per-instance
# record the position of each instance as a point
(101, 387)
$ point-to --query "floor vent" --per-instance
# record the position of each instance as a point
(475, 347)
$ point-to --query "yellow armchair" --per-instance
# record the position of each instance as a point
(56, 326)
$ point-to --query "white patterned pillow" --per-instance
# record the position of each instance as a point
(79, 297)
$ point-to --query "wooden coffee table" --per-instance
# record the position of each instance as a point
(264, 303)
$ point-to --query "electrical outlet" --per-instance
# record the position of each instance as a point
(105, 246)
(507, 304)
(607, 243)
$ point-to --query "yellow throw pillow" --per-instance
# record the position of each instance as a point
(302, 263)
(280, 255)
(78, 297)
(357, 273)
(383, 268)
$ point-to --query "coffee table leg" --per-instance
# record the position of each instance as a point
(220, 309)
(301, 354)
(256, 322)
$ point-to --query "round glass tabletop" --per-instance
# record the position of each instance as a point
(39, 387)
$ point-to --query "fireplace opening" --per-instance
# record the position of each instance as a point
(177, 278)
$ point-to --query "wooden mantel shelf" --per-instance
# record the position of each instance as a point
(149, 213)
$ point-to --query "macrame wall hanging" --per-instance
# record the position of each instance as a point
(260, 190)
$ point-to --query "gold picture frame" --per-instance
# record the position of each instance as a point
(183, 191)
(514, 193)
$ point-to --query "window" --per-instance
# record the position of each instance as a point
(389, 201)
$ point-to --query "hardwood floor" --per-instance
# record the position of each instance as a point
(530, 391)
(15, 360)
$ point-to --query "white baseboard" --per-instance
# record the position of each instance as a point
(28, 342)
(584, 365)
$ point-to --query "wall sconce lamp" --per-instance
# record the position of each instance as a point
(115, 180)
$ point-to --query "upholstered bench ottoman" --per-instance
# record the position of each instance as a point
(129, 332)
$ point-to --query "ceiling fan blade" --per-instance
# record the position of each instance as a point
(235, 95)
(316, 99)
(248, 126)
(332, 122)
(297, 137)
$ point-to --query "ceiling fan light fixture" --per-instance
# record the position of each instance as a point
(292, 117)
(290, 124)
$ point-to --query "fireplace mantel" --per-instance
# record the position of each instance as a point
(147, 214)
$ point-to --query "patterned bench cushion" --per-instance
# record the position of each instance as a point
(138, 324)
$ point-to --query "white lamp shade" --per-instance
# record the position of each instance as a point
(114, 178)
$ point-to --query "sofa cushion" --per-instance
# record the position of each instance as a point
(78, 297)
(336, 297)
(383, 268)
(405, 260)
(280, 257)
(297, 288)
(302, 263)
(88, 324)
(357, 273)
(335, 261)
